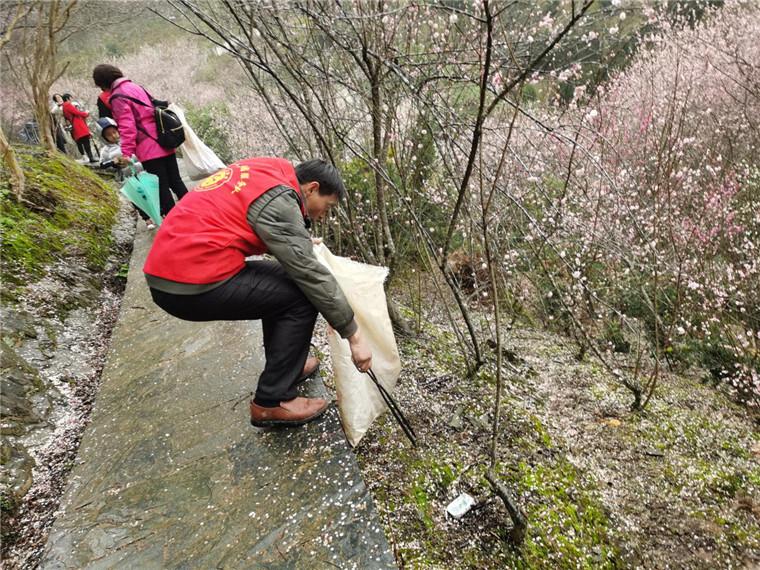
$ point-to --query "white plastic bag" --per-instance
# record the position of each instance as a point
(359, 401)
(200, 160)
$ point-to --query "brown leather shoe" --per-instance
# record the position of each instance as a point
(309, 368)
(293, 412)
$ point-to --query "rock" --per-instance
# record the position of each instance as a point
(17, 323)
(18, 382)
(747, 503)
(455, 421)
(15, 470)
(479, 422)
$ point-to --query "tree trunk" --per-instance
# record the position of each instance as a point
(387, 247)
(400, 324)
(10, 162)
(42, 115)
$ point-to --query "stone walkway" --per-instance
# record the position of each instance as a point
(170, 473)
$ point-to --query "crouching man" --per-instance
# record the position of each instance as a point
(196, 270)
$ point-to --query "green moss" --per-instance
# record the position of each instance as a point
(599, 391)
(423, 491)
(704, 459)
(66, 211)
(753, 477)
(406, 312)
(422, 501)
(542, 433)
(8, 504)
(432, 480)
(439, 346)
(5, 454)
(567, 526)
(123, 271)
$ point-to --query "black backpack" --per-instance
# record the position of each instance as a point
(170, 131)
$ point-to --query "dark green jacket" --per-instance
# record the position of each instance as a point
(276, 218)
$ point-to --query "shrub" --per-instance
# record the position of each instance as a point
(209, 122)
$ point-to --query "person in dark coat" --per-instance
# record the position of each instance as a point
(104, 105)
(80, 132)
(56, 114)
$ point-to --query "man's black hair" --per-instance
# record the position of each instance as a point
(326, 174)
(66, 96)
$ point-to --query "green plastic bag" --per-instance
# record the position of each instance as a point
(142, 190)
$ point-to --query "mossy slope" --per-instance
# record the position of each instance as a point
(66, 211)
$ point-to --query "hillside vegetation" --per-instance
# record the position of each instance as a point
(66, 211)
(567, 195)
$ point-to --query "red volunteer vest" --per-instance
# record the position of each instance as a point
(206, 237)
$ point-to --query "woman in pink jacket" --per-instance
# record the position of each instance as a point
(137, 128)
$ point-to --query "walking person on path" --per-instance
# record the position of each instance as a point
(137, 128)
(80, 132)
(56, 113)
(196, 271)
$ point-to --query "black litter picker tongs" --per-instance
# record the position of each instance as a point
(395, 410)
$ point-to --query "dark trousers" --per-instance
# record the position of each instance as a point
(60, 139)
(262, 290)
(83, 145)
(168, 179)
(140, 213)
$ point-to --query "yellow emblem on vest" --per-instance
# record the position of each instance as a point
(215, 180)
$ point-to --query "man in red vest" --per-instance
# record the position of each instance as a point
(196, 270)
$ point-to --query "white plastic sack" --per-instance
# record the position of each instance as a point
(359, 401)
(200, 160)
